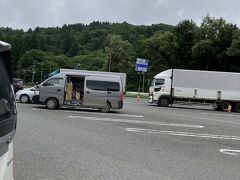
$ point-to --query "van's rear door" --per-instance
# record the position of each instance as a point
(114, 94)
(95, 92)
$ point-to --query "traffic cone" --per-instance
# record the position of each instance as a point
(229, 109)
(138, 98)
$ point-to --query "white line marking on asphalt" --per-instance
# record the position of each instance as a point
(222, 114)
(230, 151)
(39, 109)
(137, 122)
(82, 112)
(186, 134)
(210, 119)
(108, 114)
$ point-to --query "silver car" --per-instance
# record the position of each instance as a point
(26, 95)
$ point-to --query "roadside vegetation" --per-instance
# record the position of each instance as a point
(213, 45)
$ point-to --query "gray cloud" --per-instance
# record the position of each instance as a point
(44, 13)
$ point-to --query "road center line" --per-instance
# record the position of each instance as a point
(230, 151)
(137, 122)
(186, 134)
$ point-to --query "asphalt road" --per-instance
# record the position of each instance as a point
(139, 142)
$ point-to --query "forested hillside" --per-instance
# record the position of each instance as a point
(214, 45)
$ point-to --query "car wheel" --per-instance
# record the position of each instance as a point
(51, 103)
(24, 98)
(106, 109)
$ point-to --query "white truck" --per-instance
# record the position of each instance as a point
(220, 89)
(122, 75)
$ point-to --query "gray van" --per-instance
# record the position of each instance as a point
(74, 90)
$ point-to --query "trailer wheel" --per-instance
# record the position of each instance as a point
(51, 103)
(237, 107)
(224, 105)
(163, 102)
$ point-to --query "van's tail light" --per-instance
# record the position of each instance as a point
(121, 96)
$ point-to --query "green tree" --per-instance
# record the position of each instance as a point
(203, 54)
(161, 51)
(220, 33)
(186, 32)
(120, 54)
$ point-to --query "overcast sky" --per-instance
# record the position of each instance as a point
(48, 13)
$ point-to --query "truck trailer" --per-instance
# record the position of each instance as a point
(220, 89)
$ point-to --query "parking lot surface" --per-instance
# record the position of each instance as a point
(138, 142)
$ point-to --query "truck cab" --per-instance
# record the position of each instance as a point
(8, 113)
(160, 88)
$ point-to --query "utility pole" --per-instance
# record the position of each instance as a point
(110, 61)
(139, 83)
(33, 70)
(41, 71)
(143, 81)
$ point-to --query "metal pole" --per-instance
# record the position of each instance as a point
(110, 61)
(33, 71)
(139, 83)
(41, 71)
(143, 81)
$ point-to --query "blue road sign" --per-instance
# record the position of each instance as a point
(141, 65)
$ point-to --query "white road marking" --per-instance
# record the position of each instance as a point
(137, 122)
(230, 151)
(108, 114)
(209, 119)
(222, 114)
(83, 112)
(186, 134)
(39, 109)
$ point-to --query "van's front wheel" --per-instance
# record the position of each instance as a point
(51, 103)
(106, 109)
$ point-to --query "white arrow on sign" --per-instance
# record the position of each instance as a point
(232, 152)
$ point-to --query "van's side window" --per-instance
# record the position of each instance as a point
(113, 86)
(103, 85)
(96, 85)
(159, 82)
(54, 82)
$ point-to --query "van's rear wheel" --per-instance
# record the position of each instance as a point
(52, 103)
(106, 109)
(163, 102)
